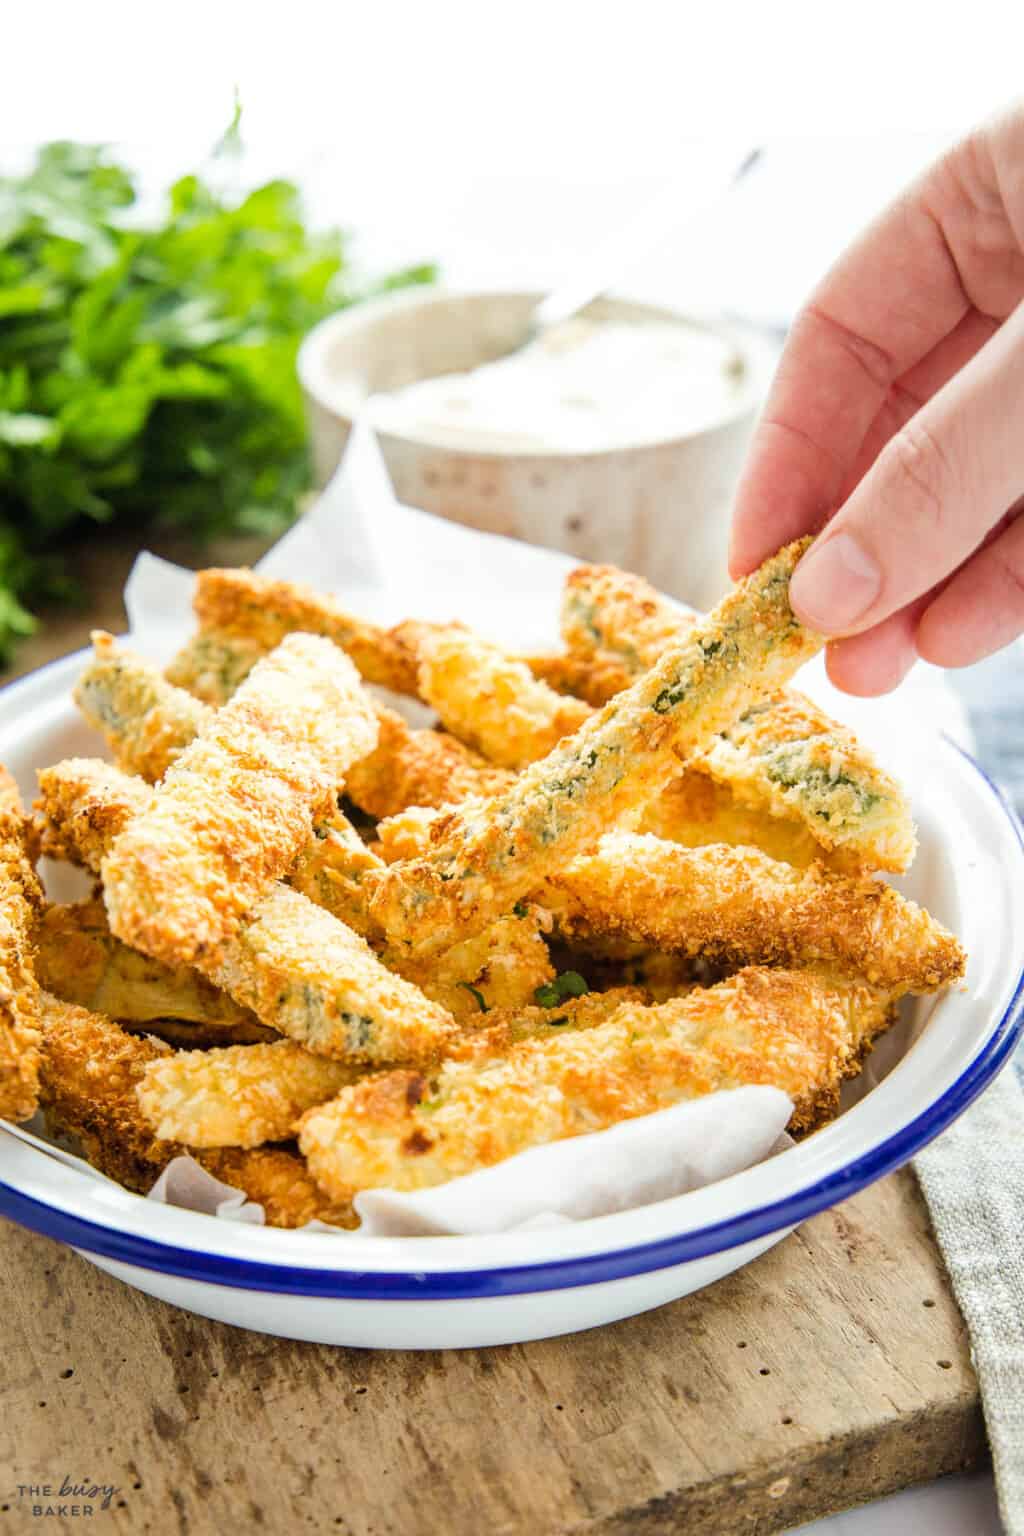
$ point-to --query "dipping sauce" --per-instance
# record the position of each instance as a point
(583, 387)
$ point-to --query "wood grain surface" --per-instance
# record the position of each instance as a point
(833, 1370)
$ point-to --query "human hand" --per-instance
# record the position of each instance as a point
(899, 401)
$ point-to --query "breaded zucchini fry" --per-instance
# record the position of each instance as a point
(787, 757)
(483, 859)
(213, 664)
(147, 722)
(307, 975)
(695, 810)
(277, 1178)
(238, 1096)
(491, 701)
(784, 756)
(791, 1029)
(611, 614)
(262, 612)
(84, 804)
(736, 906)
(300, 970)
(238, 805)
(20, 900)
(79, 960)
(91, 1069)
(596, 679)
(418, 767)
(499, 968)
(331, 869)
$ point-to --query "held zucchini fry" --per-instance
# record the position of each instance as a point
(20, 900)
(791, 1029)
(79, 960)
(491, 701)
(147, 722)
(486, 857)
(783, 756)
(261, 612)
(237, 1096)
(736, 906)
(91, 1069)
(300, 970)
(239, 803)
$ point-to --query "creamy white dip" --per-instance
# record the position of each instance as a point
(584, 386)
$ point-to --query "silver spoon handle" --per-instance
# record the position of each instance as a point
(659, 219)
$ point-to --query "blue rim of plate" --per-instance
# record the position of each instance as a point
(561, 1274)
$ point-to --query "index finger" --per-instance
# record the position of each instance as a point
(890, 298)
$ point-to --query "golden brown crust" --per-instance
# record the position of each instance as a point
(238, 805)
(146, 721)
(79, 960)
(299, 970)
(491, 701)
(736, 906)
(418, 767)
(239, 602)
(238, 1096)
(20, 900)
(488, 856)
(595, 679)
(91, 1069)
(787, 757)
(792, 1030)
(695, 810)
(612, 614)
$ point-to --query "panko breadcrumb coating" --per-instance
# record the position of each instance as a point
(502, 967)
(418, 767)
(736, 906)
(299, 970)
(79, 960)
(784, 756)
(232, 813)
(491, 701)
(608, 613)
(214, 663)
(262, 612)
(487, 857)
(787, 757)
(147, 722)
(695, 810)
(90, 1072)
(237, 1096)
(20, 900)
(595, 679)
(791, 1029)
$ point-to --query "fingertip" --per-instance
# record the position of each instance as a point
(875, 662)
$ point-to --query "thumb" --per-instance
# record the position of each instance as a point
(934, 492)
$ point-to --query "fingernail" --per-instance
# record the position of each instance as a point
(834, 585)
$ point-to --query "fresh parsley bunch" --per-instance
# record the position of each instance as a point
(147, 374)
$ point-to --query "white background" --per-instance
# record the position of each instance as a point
(506, 139)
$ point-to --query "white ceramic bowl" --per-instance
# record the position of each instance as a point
(607, 505)
(452, 1292)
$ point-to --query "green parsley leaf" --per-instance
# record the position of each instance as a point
(147, 369)
(567, 984)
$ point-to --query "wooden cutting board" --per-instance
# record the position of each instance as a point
(833, 1370)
